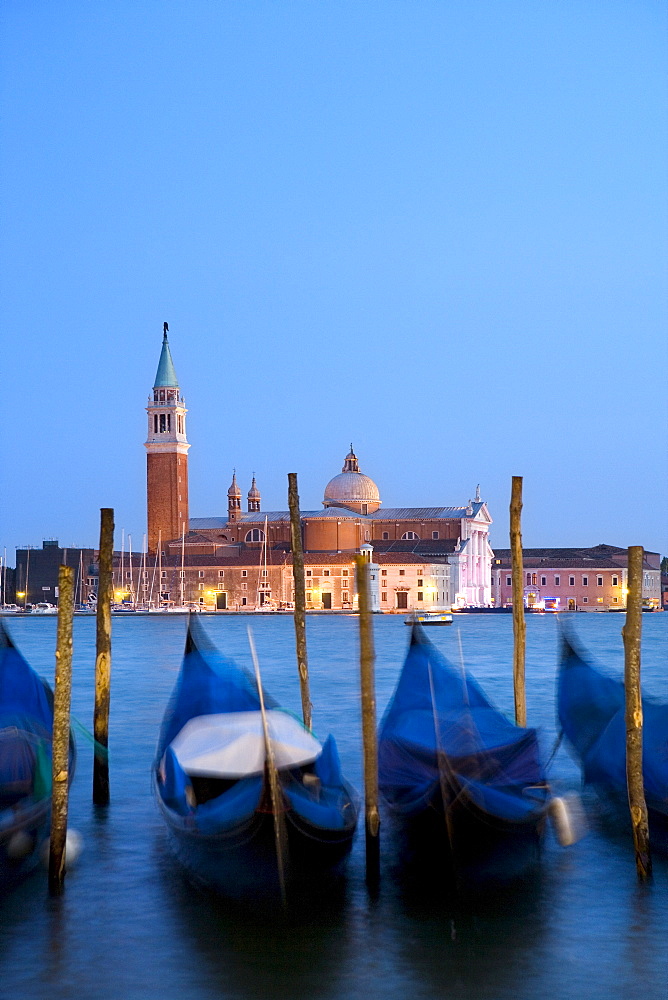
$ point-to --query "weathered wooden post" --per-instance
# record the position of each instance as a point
(103, 659)
(634, 779)
(519, 623)
(300, 596)
(62, 696)
(369, 739)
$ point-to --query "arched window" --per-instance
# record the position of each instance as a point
(386, 536)
(528, 579)
(255, 535)
(410, 536)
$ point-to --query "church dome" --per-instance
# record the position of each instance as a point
(351, 489)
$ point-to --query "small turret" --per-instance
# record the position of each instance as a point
(234, 499)
(253, 497)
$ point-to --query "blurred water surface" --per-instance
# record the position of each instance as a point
(130, 926)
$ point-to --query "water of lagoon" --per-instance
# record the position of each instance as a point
(129, 925)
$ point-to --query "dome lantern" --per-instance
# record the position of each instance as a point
(351, 489)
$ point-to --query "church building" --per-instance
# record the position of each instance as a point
(423, 558)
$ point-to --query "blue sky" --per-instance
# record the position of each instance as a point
(434, 229)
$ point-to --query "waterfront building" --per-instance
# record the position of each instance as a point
(575, 579)
(427, 557)
(37, 572)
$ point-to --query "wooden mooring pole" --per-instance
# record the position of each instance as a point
(300, 597)
(369, 738)
(632, 634)
(519, 623)
(103, 659)
(62, 696)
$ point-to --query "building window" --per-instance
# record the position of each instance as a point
(200, 574)
(571, 581)
(615, 600)
(325, 572)
(599, 600)
(344, 572)
(221, 572)
(419, 595)
(419, 583)
(244, 586)
(434, 534)
(163, 575)
(367, 536)
(509, 581)
(615, 582)
(585, 581)
(256, 535)
(528, 579)
(410, 536)
(534, 579)
(383, 595)
(200, 586)
(365, 508)
(265, 572)
(402, 572)
(385, 536)
(383, 572)
(599, 581)
(182, 573)
(243, 601)
(585, 600)
(557, 581)
(244, 572)
(543, 581)
(155, 423)
(308, 595)
(309, 572)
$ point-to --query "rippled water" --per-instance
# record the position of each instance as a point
(130, 926)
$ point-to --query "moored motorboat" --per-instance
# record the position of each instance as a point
(212, 782)
(26, 723)
(429, 618)
(591, 711)
(464, 785)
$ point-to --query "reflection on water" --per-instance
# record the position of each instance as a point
(129, 925)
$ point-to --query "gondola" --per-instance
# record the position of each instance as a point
(26, 724)
(212, 783)
(464, 786)
(591, 709)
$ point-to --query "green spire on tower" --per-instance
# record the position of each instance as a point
(165, 376)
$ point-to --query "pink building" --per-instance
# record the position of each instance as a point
(592, 579)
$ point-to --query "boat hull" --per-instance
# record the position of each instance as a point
(23, 832)
(464, 786)
(239, 861)
(591, 710)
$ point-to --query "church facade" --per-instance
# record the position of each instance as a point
(422, 558)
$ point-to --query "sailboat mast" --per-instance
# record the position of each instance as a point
(132, 587)
(183, 554)
(122, 583)
(143, 572)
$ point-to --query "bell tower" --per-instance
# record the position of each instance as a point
(167, 454)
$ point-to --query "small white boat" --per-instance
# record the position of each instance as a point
(429, 618)
(44, 608)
